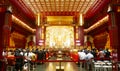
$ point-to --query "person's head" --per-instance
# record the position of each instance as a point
(101, 49)
(27, 50)
(24, 50)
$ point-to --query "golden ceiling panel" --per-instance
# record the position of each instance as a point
(60, 23)
(38, 6)
(60, 18)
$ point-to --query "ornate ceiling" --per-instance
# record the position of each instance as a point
(59, 7)
(30, 8)
(38, 6)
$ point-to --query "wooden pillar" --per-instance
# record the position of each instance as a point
(74, 37)
(80, 30)
(2, 20)
(38, 34)
(114, 29)
(79, 41)
(114, 17)
(81, 35)
(44, 35)
(5, 29)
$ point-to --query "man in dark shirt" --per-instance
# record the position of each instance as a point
(19, 60)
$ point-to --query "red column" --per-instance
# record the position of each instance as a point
(114, 17)
(81, 35)
(80, 40)
(38, 33)
(5, 28)
(74, 36)
(2, 18)
(39, 38)
(114, 30)
(44, 36)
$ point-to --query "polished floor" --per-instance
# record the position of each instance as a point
(55, 66)
(66, 66)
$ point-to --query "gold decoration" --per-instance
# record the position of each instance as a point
(60, 36)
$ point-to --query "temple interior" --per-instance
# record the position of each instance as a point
(59, 35)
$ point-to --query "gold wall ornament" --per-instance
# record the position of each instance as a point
(59, 36)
